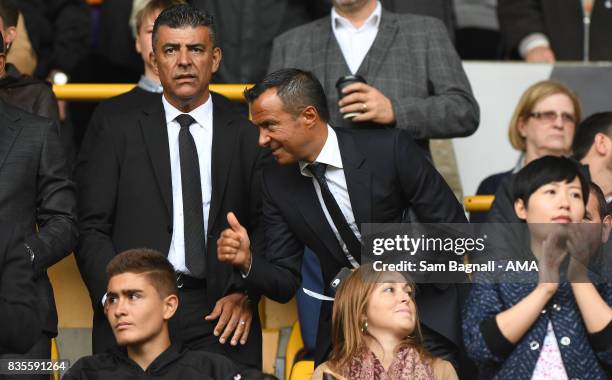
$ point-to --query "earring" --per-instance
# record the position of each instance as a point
(364, 328)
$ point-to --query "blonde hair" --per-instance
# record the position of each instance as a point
(530, 98)
(350, 306)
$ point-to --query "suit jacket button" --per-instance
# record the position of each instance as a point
(565, 341)
(169, 228)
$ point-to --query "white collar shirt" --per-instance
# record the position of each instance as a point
(202, 132)
(336, 181)
(355, 42)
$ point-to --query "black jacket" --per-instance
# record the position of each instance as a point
(36, 191)
(175, 363)
(20, 327)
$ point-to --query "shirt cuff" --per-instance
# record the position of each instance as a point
(532, 41)
(494, 339)
(245, 275)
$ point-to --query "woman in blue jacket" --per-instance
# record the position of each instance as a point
(551, 328)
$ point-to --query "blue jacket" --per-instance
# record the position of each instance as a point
(585, 356)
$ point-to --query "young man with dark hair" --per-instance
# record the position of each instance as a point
(19, 90)
(593, 147)
(141, 298)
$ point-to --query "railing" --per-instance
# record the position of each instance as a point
(89, 92)
(478, 203)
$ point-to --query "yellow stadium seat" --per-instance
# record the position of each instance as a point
(302, 370)
(294, 345)
(54, 356)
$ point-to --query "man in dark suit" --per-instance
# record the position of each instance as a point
(38, 198)
(415, 80)
(163, 177)
(328, 182)
(20, 327)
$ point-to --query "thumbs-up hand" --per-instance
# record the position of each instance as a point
(234, 245)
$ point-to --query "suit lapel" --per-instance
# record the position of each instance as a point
(377, 54)
(223, 144)
(154, 129)
(9, 130)
(305, 197)
(358, 179)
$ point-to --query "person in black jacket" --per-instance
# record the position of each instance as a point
(20, 327)
(142, 296)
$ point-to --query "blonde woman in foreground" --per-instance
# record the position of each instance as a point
(376, 332)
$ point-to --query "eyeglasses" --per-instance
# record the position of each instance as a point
(551, 116)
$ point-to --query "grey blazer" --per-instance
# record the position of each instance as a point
(412, 61)
(35, 190)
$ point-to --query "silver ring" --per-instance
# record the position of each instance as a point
(242, 323)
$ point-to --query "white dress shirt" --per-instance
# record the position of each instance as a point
(202, 133)
(355, 42)
(336, 181)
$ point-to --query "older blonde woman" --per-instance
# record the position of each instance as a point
(376, 332)
(543, 124)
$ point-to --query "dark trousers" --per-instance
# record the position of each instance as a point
(40, 350)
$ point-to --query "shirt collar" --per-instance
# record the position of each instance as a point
(202, 114)
(341, 22)
(150, 85)
(329, 155)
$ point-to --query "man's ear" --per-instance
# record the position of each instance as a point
(310, 115)
(217, 54)
(154, 62)
(10, 34)
(137, 44)
(170, 306)
(520, 209)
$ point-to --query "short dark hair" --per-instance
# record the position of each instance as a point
(602, 205)
(9, 13)
(297, 89)
(545, 170)
(149, 262)
(148, 8)
(182, 16)
(600, 122)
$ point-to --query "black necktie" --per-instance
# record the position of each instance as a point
(348, 237)
(193, 219)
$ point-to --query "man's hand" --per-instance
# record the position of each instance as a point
(234, 245)
(540, 54)
(235, 316)
(373, 104)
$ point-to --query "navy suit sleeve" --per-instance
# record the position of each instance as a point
(276, 271)
(428, 195)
